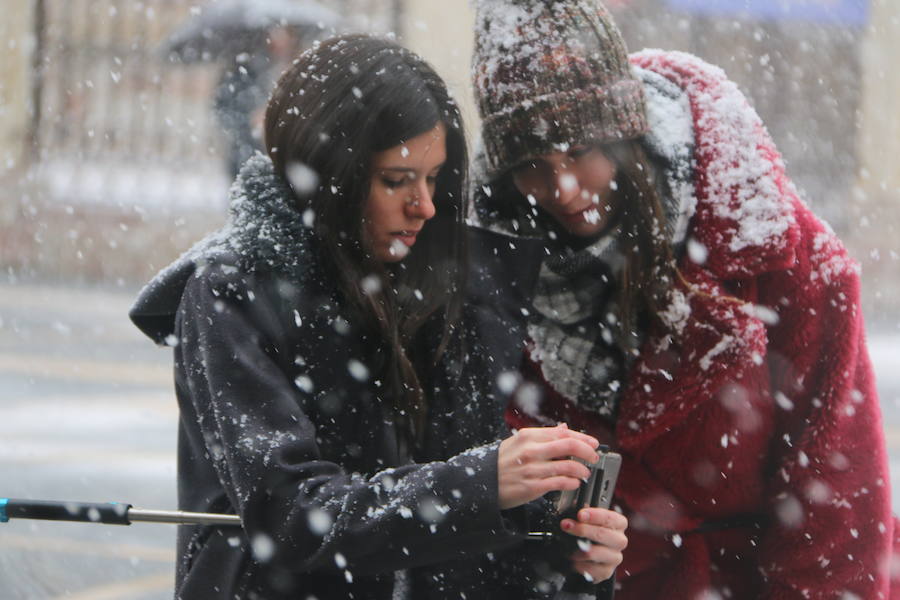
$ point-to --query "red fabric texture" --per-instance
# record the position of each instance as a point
(761, 401)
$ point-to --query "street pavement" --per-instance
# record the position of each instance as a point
(87, 414)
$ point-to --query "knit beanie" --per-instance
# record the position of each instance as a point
(549, 74)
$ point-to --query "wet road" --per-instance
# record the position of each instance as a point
(87, 413)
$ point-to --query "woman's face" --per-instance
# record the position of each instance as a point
(401, 193)
(574, 187)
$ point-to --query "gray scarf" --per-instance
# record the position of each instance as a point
(574, 330)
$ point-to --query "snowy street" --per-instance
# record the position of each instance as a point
(88, 415)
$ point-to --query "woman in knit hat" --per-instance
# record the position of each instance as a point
(665, 290)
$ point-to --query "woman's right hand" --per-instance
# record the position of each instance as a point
(537, 460)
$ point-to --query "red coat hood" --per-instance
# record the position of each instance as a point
(742, 216)
(745, 217)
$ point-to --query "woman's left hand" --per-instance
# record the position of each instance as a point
(605, 530)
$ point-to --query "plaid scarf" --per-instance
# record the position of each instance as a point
(574, 330)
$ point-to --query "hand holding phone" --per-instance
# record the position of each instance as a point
(597, 491)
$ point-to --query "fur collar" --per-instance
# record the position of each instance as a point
(745, 226)
(744, 221)
(265, 233)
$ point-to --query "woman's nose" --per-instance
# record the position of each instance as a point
(566, 186)
(421, 202)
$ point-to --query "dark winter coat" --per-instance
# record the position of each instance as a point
(755, 464)
(283, 423)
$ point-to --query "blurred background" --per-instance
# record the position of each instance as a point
(121, 125)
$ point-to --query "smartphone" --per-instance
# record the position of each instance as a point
(597, 490)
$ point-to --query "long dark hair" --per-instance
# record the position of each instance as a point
(648, 270)
(341, 102)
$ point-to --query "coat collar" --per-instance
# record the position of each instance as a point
(265, 232)
(744, 215)
(745, 224)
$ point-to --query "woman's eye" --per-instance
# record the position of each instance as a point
(392, 183)
(580, 151)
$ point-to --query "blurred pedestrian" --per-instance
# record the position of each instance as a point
(675, 299)
(318, 361)
(240, 94)
(255, 40)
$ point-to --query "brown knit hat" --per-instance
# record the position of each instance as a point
(549, 74)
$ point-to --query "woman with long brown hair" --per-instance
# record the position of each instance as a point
(321, 371)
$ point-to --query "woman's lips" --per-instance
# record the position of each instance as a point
(407, 237)
(582, 215)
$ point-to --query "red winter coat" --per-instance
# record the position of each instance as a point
(755, 464)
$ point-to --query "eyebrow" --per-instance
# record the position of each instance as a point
(408, 169)
(533, 160)
(530, 162)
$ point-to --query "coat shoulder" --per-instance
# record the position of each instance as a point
(225, 276)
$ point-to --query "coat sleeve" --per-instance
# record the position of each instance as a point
(296, 508)
(831, 523)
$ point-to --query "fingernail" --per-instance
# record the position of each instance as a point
(567, 525)
(584, 515)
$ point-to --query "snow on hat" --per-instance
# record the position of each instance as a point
(549, 74)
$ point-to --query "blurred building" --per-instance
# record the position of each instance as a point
(442, 33)
(874, 234)
(15, 84)
(113, 159)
